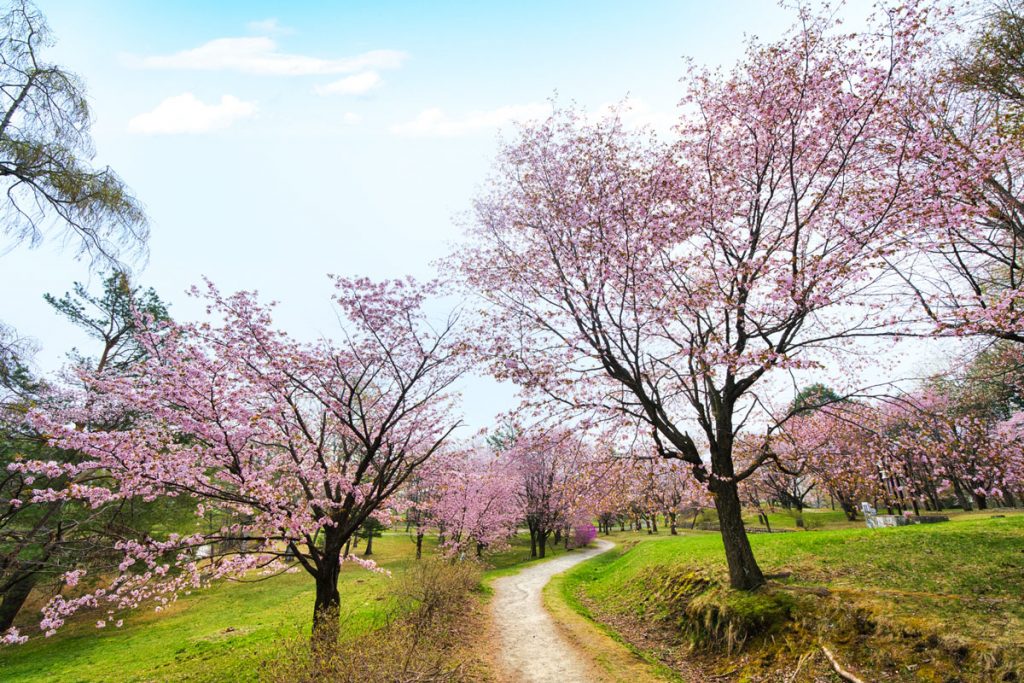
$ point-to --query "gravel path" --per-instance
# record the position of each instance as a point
(532, 649)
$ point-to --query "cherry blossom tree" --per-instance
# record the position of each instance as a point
(294, 445)
(667, 282)
(474, 500)
(837, 448)
(966, 270)
(562, 480)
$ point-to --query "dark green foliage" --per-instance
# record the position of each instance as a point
(40, 541)
(110, 318)
(812, 398)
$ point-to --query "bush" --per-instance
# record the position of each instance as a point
(419, 640)
(583, 535)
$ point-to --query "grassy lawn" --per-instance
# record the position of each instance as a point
(223, 632)
(912, 603)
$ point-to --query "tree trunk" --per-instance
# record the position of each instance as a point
(744, 574)
(533, 541)
(326, 606)
(654, 522)
(542, 543)
(419, 545)
(962, 499)
(672, 524)
(981, 501)
(369, 545)
(14, 599)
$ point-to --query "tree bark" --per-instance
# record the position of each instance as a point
(327, 604)
(369, 545)
(13, 600)
(744, 573)
(965, 503)
(419, 545)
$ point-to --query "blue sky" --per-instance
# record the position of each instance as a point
(273, 143)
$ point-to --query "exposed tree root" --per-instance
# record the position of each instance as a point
(843, 673)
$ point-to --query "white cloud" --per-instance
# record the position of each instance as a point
(351, 118)
(358, 84)
(259, 55)
(269, 27)
(188, 114)
(435, 123)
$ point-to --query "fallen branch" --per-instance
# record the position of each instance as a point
(843, 673)
(799, 665)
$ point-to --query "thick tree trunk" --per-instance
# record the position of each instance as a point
(542, 543)
(672, 524)
(369, 545)
(14, 599)
(327, 604)
(533, 541)
(654, 522)
(744, 574)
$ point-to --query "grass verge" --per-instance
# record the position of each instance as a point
(923, 603)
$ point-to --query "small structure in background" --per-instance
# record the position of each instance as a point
(873, 520)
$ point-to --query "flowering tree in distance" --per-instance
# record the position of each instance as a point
(293, 445)
(666, 281)
(474, 500)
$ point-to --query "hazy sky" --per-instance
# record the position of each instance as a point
(272, 143)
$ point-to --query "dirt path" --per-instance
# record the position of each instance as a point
(532, 649)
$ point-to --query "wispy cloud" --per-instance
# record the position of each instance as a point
(358, 84)
(269, 26)
(260, 55)
(435, 122)
(186, 113)
(350, 118)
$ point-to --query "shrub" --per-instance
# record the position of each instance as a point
(419, 640)
(583, 535)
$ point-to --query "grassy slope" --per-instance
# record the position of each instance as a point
(221, 633)
(959, 582)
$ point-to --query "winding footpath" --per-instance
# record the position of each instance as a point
(532, 648)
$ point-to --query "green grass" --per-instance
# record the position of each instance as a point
(225, 631)
(221, 633)
(957, 582)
